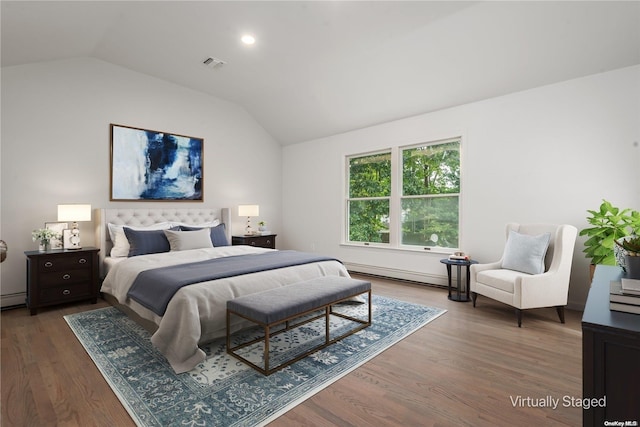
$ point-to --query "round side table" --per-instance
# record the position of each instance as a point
(458, 296)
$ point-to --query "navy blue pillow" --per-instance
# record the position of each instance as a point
(147, 241)
(218, 234)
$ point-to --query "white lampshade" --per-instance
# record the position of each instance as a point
(248, 210)
(74, 213)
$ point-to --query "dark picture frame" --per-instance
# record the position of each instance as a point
(149, 165)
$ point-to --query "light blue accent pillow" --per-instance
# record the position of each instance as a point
(525, 253)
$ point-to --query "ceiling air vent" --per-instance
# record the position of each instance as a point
(214, 63)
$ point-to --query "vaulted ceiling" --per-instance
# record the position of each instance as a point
(325, 67)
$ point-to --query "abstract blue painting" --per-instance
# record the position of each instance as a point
(152, 165)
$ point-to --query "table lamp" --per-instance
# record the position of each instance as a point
(73, 213)
(248, 211)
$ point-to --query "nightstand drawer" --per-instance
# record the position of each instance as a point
(263, 242)
(59, 294)
(266, 241)
(58, 263)
(57, 278)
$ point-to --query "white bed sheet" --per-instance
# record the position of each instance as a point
(197, 313)
(109, 262)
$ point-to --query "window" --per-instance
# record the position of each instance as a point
(426, 196)
(430, 194)
(369, 198)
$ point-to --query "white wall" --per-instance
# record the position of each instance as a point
(55, 148)
(543, 155)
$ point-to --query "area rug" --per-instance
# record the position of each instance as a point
(223, 391)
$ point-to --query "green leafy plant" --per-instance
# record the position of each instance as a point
(609, 223)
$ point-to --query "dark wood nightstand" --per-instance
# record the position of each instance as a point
(262, 241)
(60, 276)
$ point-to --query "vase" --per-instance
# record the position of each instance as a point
(620, 254)
(44, 246)
(632, 266)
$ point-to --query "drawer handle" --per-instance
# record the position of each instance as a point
(269, 242)
(82, 261)
(48, 264)
(253, 243)
(66, 292)
(66, 277)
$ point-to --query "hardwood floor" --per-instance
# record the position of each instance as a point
(467, 367)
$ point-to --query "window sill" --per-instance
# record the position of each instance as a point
(416, 249)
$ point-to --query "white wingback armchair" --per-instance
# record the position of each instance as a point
(524, 290)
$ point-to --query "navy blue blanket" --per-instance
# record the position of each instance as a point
(154, 288)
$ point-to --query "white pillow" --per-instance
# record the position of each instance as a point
(121, 244)
(525, 253)
(184, 240)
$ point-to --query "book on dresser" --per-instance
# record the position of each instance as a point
(624, 300)
(631, 286)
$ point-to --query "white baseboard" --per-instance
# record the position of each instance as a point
(413, 276)
(11, 300)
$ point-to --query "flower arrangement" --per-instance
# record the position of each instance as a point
(44, 235)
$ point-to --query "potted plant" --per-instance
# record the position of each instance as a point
(608, 224)
(631, 247)
(262, 226)
(44, 237)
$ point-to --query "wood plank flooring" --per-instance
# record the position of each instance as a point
(464, 368)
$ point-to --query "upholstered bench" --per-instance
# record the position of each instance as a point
(281, 305)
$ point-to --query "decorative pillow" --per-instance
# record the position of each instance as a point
(121, 244)
(143, 242)
(218, 234)
(203, 225)
(183, 240)
(525, 253)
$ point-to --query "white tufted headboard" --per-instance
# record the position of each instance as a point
(143, 217)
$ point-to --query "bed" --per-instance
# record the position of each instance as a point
(195, 314)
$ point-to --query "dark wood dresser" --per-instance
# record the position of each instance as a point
(610, 357)
(59, 276)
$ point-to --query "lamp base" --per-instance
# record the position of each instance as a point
(71, 239)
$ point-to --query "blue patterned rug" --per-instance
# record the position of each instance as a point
(223, 391)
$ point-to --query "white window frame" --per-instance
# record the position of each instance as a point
(348, 199)
(401, 196)
(396, 197)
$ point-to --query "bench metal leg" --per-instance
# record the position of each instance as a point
(326, 324)
(266, 348)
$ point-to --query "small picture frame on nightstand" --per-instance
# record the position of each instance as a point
(66, 239)
(58, 227)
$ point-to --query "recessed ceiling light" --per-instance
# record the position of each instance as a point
(248, 39)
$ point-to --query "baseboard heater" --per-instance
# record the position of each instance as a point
(397, 274)
(15, 300)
